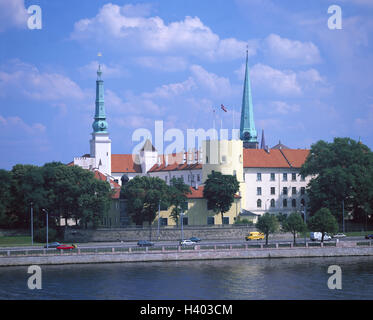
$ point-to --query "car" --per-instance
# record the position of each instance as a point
(254, 236)
(316, 236)
(53, 245)
(195, 239)
(369, 236)
(187, 243)
(339, 235)
(66, 247)
(144, 243)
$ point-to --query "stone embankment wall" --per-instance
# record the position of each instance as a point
(179, 255)
(165, 234)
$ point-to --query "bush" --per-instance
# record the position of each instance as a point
(244, 221)
(40, 235)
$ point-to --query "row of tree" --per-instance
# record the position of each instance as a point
(322, 221)
(67, 192)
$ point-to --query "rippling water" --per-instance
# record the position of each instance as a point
(299, 278)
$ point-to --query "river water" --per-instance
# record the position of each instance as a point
(296, 278)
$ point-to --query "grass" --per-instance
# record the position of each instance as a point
(14, 241)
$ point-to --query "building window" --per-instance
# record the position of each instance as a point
(207, 159)
(259, 203)
(272, 203)
(182, 178)
(185, 221)
(164, 222)
(285, 191)
(165, 179)
(258, 176)
(198, 177)
(302, 202)
(285, 203)
(293, 203)
(302, 177)
(294, 177)
(284, 177)
(293, 190)
(273, 190)
(302, 191)
(273, 178)
(235, 173)
(225, 220)
(210, 220)
(258, 191)
(223, 159)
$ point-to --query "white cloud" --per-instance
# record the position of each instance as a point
(108, 71)
(282, 107)
(283, 49)
(168, 91)
(280, 82)
(216, 85)
(25, 79)
(12, 14)
(189, 36)
(16, 123)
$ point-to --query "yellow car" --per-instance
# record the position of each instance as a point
(255, 236)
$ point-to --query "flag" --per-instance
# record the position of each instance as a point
(223, 108)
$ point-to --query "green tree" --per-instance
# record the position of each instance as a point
(340, 171)
(294, 223)
(6, 218)
(144, 194)
(267, 223)
(219, 191)
(323, 221)
(178, 198)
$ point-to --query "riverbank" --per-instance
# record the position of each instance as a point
(181, 254)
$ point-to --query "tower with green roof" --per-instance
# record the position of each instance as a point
(100, 143)
(248, 132)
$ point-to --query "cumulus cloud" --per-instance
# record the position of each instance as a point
(167, 63)
(108, 71)
(189, 36)
(19, 78)
(12, 14)
(283, 49)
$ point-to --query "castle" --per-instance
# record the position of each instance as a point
(269, 177)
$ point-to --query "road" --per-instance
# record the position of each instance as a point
(117, 244)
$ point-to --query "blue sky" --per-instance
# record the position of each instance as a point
(175, 61)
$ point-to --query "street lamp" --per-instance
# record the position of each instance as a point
(47, 224)
(32, 224)
(182, 231)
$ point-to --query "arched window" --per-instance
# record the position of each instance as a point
(272, 203)
(285, 203)
(259, 203)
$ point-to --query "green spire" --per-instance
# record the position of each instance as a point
(99, 124)
(247, 129)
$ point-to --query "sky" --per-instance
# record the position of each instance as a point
(176, 61)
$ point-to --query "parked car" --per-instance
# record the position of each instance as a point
(187, 243)
(53, 245)
(316, 236)
(254, 236)
(339, 235)
(145, 243)
(369, 236)
(195, 239)
(66, 247)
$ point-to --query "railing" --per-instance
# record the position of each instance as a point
(170, 248)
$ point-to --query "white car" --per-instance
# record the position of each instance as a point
(339, 235)
(187, 243)
(316, 236)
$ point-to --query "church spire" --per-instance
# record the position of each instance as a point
(247, 128)
(99, 124)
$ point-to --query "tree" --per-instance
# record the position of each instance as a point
(323, 221)
(219, 191)
(341, 171)
(6, 219)
(177, 195)
(294, 223)
(144, 195)
(267, 223)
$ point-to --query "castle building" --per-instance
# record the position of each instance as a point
(269, 178)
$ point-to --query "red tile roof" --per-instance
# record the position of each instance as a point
(124, 163)
(275, 158)
(116, 186)
(198, 193)
(175, 162)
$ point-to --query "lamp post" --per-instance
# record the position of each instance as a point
(47, 224)
(32, 223)
(182, 231)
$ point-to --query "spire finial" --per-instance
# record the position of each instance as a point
(99, 71)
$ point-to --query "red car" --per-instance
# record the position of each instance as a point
(66, 247)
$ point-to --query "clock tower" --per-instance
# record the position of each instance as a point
(100, 144)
